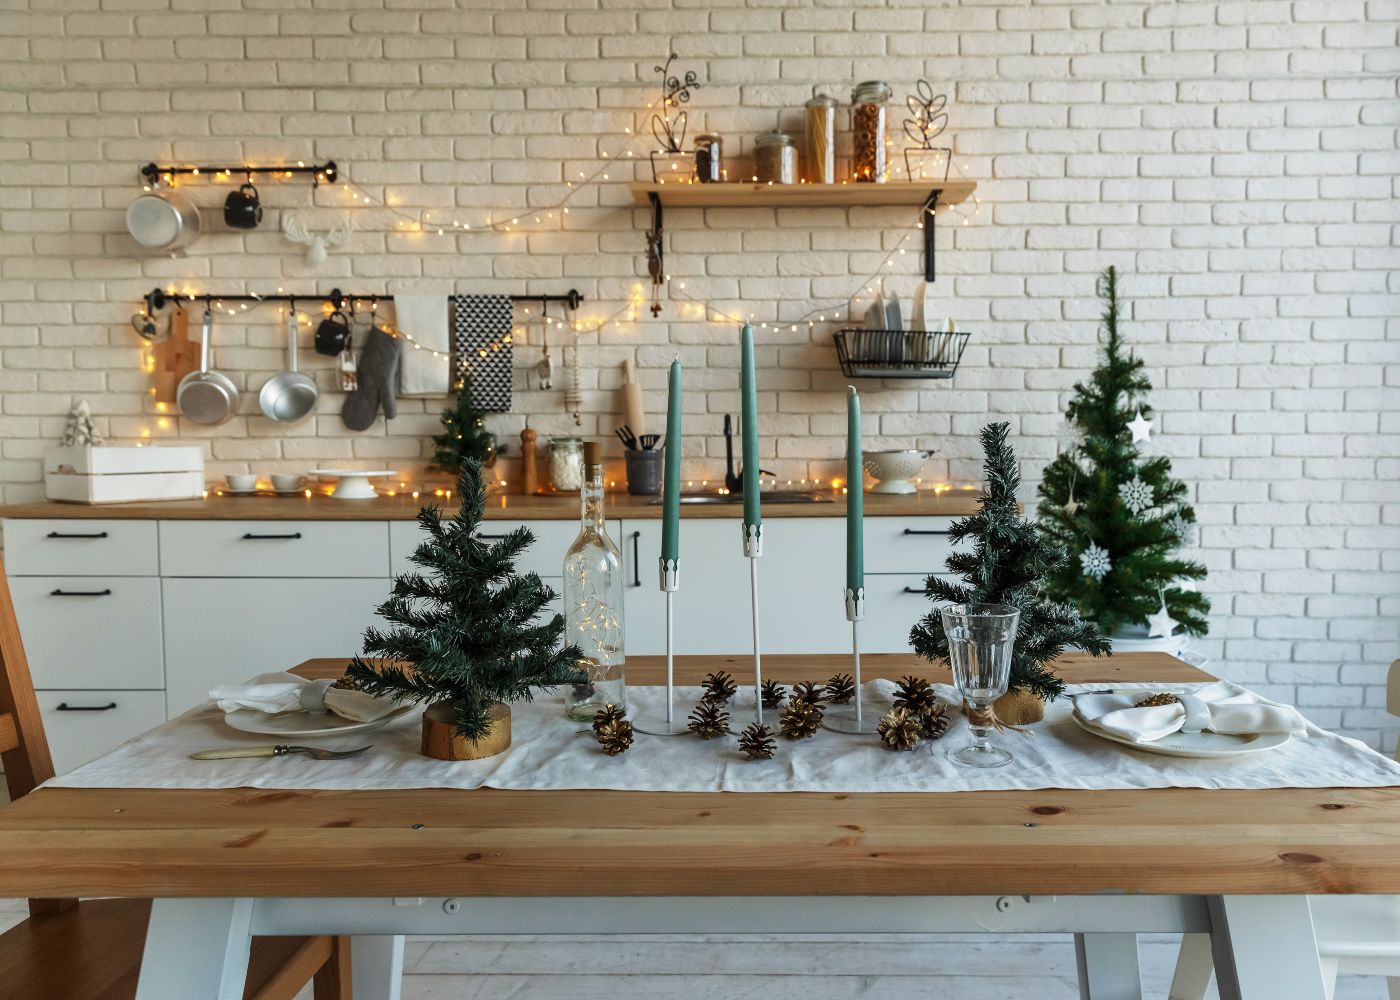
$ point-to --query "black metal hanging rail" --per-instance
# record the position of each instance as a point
(152, 173)
(159, 298)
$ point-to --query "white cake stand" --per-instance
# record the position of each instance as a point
(352, 484)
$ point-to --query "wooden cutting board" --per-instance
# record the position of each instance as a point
(175, 357)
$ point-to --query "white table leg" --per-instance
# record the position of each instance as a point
(1265, 948)
(196, 949)
(377, 964)
(1194, 968)
(1108, 966)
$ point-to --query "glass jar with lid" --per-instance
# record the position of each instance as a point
(566, 464)
(870, 127)
(819, 158)
(775, 158)
(709, 167)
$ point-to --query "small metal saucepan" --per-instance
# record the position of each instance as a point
(205, 396)
(163, 220)
(290, 396)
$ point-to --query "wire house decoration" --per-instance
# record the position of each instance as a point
(925, 123)
(867, 353)
(669, 128)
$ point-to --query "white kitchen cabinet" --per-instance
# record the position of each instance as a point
(84, 724)
(223, 631)
(274, 548)
(545, 557)
(90, 631)
(904, 544)
(78, 546)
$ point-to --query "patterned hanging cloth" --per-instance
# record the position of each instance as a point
(481, 344)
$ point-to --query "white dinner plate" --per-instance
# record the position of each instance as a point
(1203, 744)
(249, 720)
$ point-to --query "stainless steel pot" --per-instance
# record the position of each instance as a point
(290, 396)
(205, 396)
(163, 220)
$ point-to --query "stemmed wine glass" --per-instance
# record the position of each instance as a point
(980, 640)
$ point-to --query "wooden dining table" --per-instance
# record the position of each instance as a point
(225, 864)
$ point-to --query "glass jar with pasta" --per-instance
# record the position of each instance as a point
(869, 127)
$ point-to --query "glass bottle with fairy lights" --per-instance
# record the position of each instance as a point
(593, 602)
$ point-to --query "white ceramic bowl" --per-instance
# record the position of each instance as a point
(894, 470)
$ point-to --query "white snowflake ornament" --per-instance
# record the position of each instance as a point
(1183, 529)
(1141, 428)
(1094, 562)
(1136, 495)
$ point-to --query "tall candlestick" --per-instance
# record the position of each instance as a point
(753, 520)
(855, 497)
(671, 487)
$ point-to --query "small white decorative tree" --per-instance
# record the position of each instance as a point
(80, 429)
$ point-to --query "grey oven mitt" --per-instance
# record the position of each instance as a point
(377, 375)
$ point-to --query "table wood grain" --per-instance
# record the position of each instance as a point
(486, 842)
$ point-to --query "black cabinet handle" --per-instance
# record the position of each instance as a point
(912, 590)
(917, 531)
(81, 593)
(636, 558)
(491, 538)
(63, 706)
(76, 534)
(248, 536)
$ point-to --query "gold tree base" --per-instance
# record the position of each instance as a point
(441, 742)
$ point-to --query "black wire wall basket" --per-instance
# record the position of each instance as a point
(899, 353)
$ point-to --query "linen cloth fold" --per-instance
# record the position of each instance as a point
(1232, 710)
(282, 692)
(424, 319)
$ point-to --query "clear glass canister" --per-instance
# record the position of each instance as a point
(566, 464)
(819, 159)
(775, 158)
(869, 127)
(709, 166)
(593, 587)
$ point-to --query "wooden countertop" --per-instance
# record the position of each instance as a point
(503, 507)
(434, 842)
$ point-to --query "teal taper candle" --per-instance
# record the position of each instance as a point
(671, 488)
(855, 497)
(749, 389)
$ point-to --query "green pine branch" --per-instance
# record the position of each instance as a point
(1006, 564)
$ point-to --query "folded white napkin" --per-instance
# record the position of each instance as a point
(423, 318)
(282, 692)
(1230, 709)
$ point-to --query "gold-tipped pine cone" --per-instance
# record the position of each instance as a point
(800, 719)
(708, 721)
(935, 723)
(757, 743)
(607, 715)
(899, 729)
(615, 737)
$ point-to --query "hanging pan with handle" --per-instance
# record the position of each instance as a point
(290, 396)
(205, 396)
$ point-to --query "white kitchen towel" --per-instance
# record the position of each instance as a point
(550, 752)
(1230, 709)
(425, 363)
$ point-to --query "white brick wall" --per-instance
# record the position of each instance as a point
(1237, 160)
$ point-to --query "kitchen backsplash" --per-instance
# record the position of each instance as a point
(1211, 150)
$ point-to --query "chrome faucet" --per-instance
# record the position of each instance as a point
(733, 481)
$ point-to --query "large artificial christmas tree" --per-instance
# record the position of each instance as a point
(464, 436)
(1008, 561)
(468, 626)
(1121, 517)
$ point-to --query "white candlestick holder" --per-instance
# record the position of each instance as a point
(859, 721)
(667, 723)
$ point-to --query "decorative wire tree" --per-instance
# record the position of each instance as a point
(468, 627)
(1007, 564)
(1121, 519)
(464, 436)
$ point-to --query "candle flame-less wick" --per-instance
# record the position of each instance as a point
(850, 390)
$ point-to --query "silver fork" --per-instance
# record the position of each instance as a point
(281, 750)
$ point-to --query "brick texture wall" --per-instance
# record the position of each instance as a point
(1237, 160)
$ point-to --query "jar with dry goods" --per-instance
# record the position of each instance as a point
(775, 158)
(819, 158)
(870, 125)
(708, 160)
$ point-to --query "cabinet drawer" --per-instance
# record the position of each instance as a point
(80, 547)
(906, 544)
(893, 604)
(90, 631)
(274, 548)
(545, 556)
(82, 725)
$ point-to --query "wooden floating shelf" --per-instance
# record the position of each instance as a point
(719, 195)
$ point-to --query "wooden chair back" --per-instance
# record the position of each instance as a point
(1392, 696)
(24, 751)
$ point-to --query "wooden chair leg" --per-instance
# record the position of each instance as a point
(332, 981)
(1392, 985)
(1329, 976)
(1193, 968)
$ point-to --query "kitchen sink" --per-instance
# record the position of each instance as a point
(768, 496)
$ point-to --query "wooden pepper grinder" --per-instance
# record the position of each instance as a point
(529, 472)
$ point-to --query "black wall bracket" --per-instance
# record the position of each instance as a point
(930, 208)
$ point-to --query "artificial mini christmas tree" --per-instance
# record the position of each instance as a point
(1007, 564)
(468, 627)
(464, 436)
(1121, 519)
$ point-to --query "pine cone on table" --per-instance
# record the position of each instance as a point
(809, 691)
(840, 689)
(899, 730)
(935, 722)
(774, 694)
(609, 714)
(719, 687)
(914, 694)
(800, 719)
(615, 737)
(757, 743)
(709, 720)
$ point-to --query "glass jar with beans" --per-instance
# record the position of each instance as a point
(775, 158)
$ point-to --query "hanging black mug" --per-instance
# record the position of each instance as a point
(333, 335)
(242, 208)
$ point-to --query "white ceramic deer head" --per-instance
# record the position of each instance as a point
(317, 243)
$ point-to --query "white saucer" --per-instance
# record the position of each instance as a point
(1202, 745)
(249, 720)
